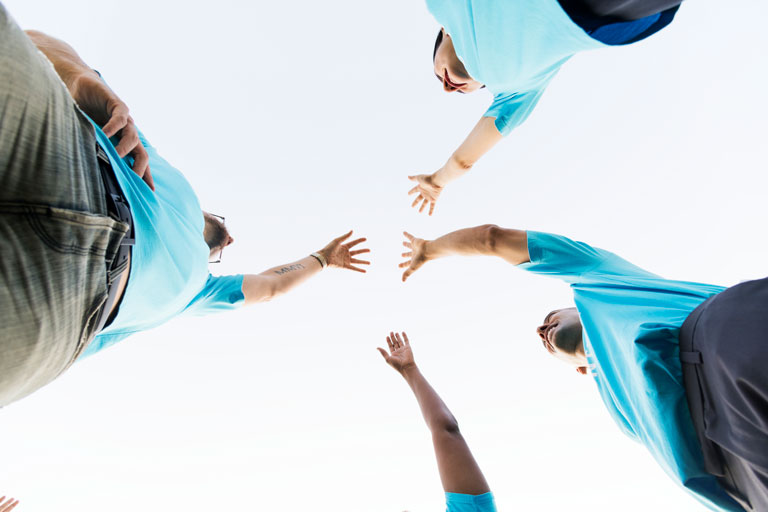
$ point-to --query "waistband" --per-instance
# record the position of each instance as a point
(119, 209)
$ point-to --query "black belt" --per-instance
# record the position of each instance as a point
(118, 209)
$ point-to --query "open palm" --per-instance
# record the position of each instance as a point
(400, 356)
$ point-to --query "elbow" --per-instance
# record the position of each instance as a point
(490, 236)
(447, 427)
(462, 163)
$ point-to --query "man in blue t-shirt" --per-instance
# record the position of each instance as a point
(514, 49)
(679, 365)
(92, 249)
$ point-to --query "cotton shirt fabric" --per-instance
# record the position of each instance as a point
(456, 502)
(169, 261)
(514, 47)
(631, 320)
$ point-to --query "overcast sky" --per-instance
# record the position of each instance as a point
(300, 120)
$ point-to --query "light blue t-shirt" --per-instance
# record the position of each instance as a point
(169, 261)
(631, 320)
(455, 502)
(514, 47)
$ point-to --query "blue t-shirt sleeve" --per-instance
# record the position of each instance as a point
(220, 293)
(455, 502)
(511, 109)
(576, 262)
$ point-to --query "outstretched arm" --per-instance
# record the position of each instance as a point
(488, 240)
(459, 471)
(283, 278)
(96, 99)
(481, 139)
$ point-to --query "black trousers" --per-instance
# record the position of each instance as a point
(724, 351)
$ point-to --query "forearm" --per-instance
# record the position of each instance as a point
(481, 139)
(436, 414)
(279, 280)
(487, 240)
(67, 63)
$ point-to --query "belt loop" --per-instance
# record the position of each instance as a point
(692, 357)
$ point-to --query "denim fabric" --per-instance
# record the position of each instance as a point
(55, 235)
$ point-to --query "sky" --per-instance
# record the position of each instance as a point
(301, 120)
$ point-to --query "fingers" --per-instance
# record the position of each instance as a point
(354, 242)
(359, 251)
(408, 273)
(407, 254)
(395, 340)
(399, 340)
(359, 262)
(343, 237)
(415, 201)
(6, 506)
(413, 190)
(423, 205)
(117, 122)
(405, 337)
(129, 138)
(405, 264)
(390, 344)
(431, 208)
(409, 236)
(413, 178)
(408, 245)
(361, 270)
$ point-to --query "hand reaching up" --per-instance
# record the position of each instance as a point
(338, 254)
(400, 356)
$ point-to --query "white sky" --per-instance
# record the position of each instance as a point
(300, 120)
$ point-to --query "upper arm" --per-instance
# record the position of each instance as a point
(459, 472)
(509, 244)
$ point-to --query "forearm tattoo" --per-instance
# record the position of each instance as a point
(291, 268)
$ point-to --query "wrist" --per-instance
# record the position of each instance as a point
(409, 370)
(320, 258)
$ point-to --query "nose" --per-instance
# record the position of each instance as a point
(447, 87)
(230, 241)
(540, 331)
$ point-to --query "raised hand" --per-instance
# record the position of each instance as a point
(428, 191)
(7, 505)
(338, 254)
(400, 356)
(416, 254)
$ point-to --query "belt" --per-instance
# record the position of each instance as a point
(118, 209)
(696, 389)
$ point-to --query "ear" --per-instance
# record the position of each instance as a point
(582, 370)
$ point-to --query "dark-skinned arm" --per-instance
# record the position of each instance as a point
(458, 469)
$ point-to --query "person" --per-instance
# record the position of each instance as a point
(91, 249)
(514, 49)
(679, 365)
(466, 489)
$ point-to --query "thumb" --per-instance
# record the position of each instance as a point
(382, 352)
